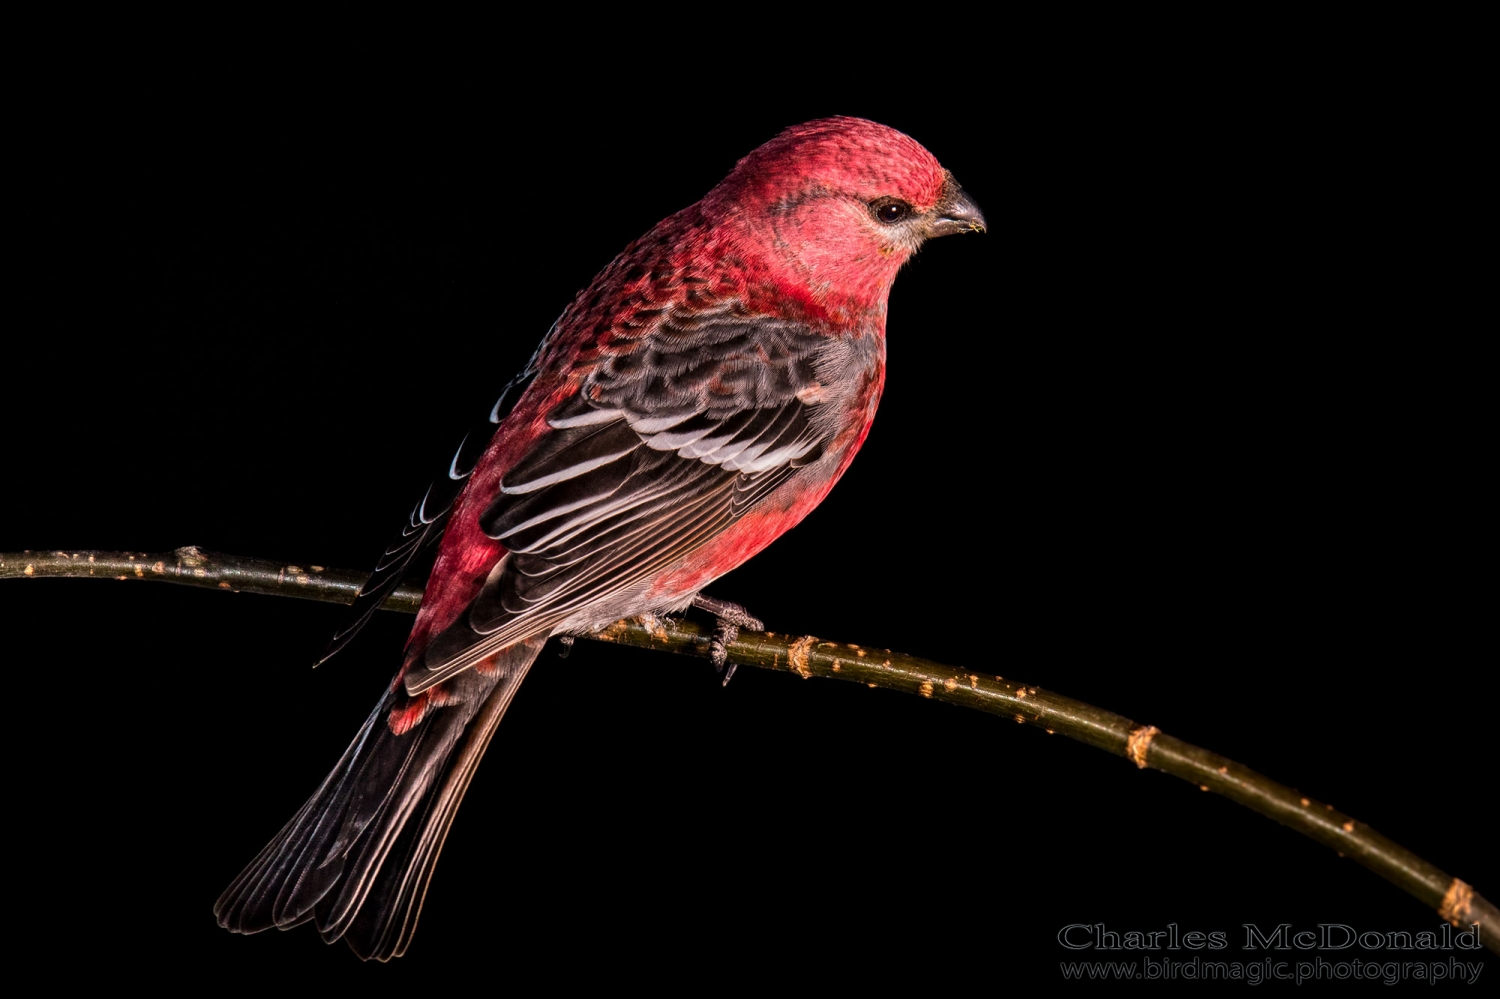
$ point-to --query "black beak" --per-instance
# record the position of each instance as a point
(956, 212)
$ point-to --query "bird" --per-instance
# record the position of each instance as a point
(695, 401)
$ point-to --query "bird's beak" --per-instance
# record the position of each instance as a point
(956, 212)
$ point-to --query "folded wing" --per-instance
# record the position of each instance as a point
(664, 447)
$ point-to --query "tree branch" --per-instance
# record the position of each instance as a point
(807, 656)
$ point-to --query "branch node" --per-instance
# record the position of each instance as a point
(1457, 902)
(796, 654)
(1139, 744)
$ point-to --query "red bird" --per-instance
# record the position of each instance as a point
(696, 401)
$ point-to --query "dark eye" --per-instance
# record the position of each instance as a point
(889, 211)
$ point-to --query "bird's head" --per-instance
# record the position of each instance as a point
(833, 208)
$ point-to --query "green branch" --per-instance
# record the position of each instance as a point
(807, 656)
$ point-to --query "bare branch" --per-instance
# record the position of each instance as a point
(807, 656)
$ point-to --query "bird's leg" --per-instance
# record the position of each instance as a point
(730, 619)
(566, 645)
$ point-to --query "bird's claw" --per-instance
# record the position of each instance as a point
(565, 645)
(729, 618)
(718, 648)
(726, 611)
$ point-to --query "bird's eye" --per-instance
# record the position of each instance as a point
(889, 211)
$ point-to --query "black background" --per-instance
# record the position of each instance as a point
(1190, 434)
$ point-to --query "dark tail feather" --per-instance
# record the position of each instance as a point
(357, 858)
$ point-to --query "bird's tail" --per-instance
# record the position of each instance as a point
(356, 859)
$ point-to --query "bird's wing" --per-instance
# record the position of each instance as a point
(661, 450)
(425, 525)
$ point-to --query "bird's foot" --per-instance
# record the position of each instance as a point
(730, 619)
(565, 645)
